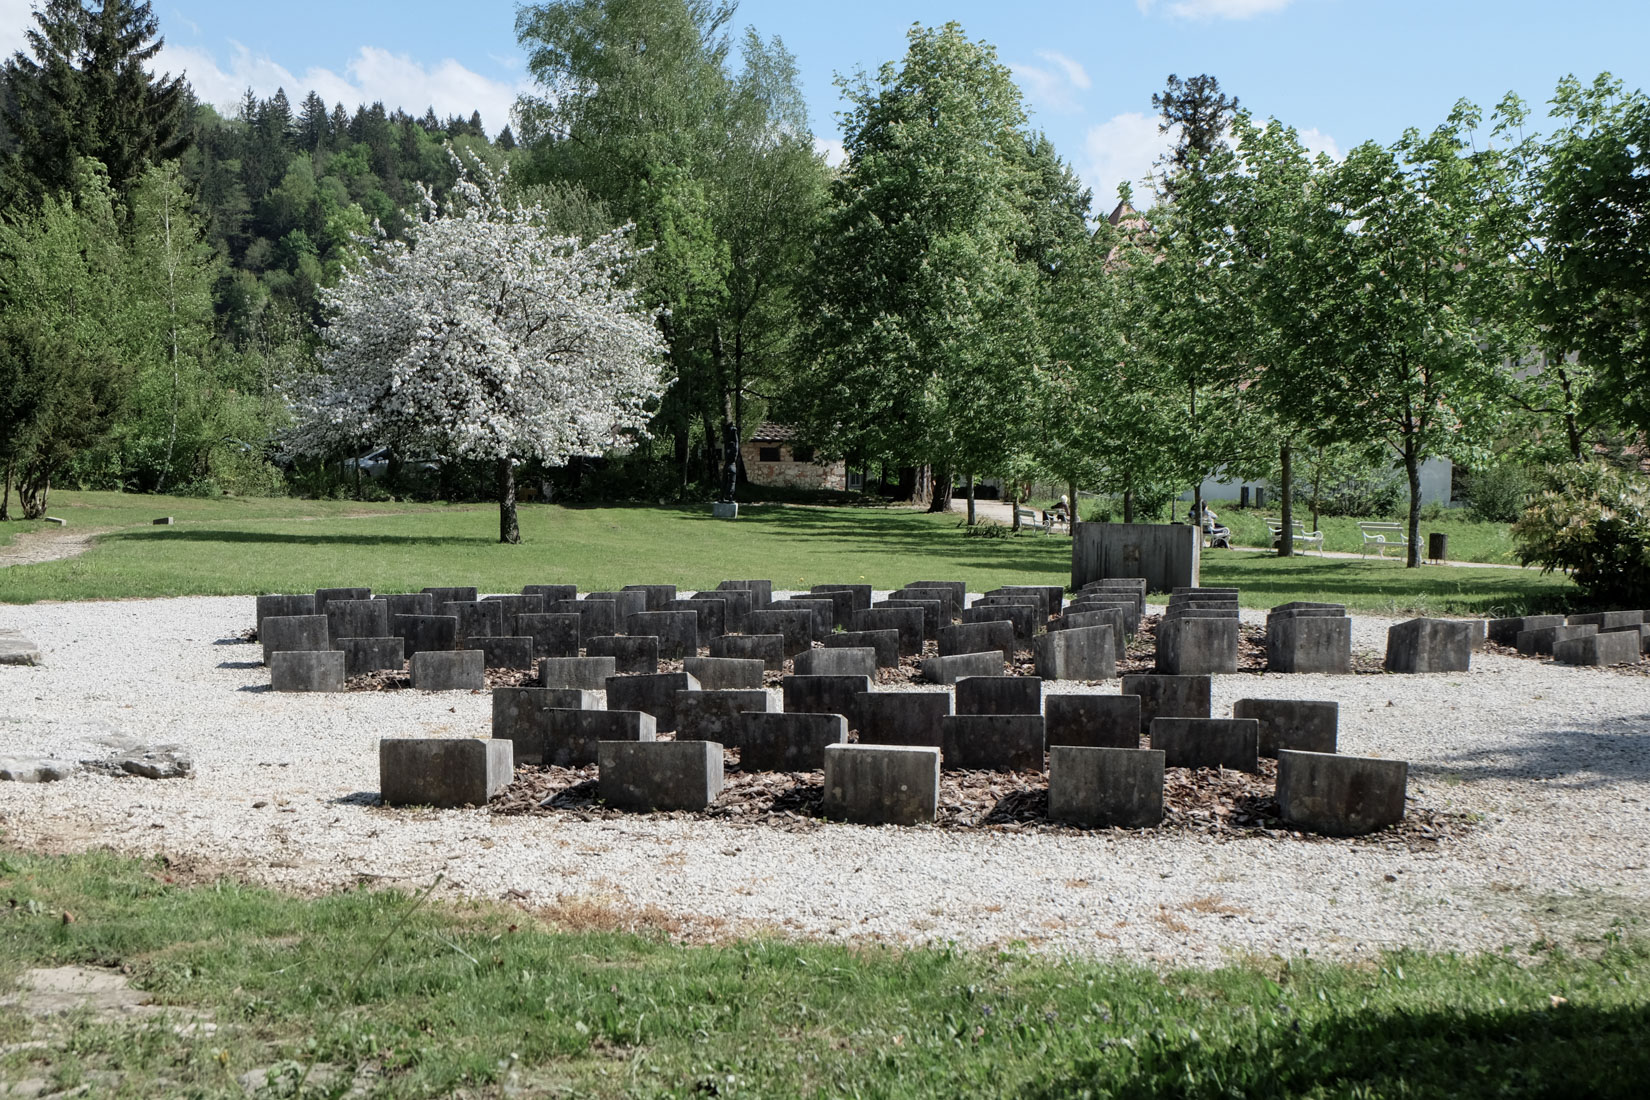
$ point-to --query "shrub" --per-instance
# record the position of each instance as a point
(1592, 522)
(1498, 494)
(1376, 494)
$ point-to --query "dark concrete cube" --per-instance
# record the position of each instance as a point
(950, 670)
(553, 635)
(1615, 647)
(1306, 724)
(583, 673)
(658, 595)
(449, 670)
(280, 633)
(885, 643)
(655, 694)
(1607, 620)
(903, 717)
(306, 670)
(992, 742)
(364, 655)
(787, 741)
(476, 619)
(1197, 646)
(1540, 641)
(795, 625)
(767, 648)
(1304, 643)
(1168, 696)
(824, 694)
(285, 607)
(1077, 653)
(1208, 742)
(906, 620)
(1429, 645)
(1506, 631)
(677, 631)
(999, 695)
(527, 716)
(633, 656)
(996, 637)
(725, 673)
(426, 632)
(566, 737)
(1092, 721)
(714, 715)
(1340, 795)
(1105, 787)
(442, 772)
(659, 775)
(882, 784)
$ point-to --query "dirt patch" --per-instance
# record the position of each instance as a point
(35, 547)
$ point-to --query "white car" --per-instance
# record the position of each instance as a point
(376, 464)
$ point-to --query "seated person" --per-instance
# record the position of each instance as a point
(1060, 513)
(1217, 535)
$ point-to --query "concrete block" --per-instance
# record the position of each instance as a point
(885, 643)
(504, 652)
(514, 607)
(736, 609)
(659, 775)
(1208, 742)
(625, 603)
(677, 631)
(930, 609)
(1092, 721)
(795, 625)
(1132, 612)
(842, 604)
(725, 509)
(449, 670)
(882, 784)
(1429, 645)
(597, 618)
(1078, 653)
(711, 616)
(999, 694)
(824, 694)
(860, 594)
(787, 741)
(1168, 696)
(364, 655)
(1606, 620)
(949, 670)
(906, 620)
(1308, 725)
(1105, 787)
(1054, 595)
(823, 609)
(655, 694)
(714, 715)
(439, 596)
(958, 590)
(442, 772)
(1615, 647)
(1165, 555)
(840, 661)
(280, 633)
(284, 607)
(1112, 617)
(1197, 646)
(658, 595)
(631, 656)
(426, 632)
(583, 673)
(991, 637)
(1340, 795)
(992, 742)
(1023, 619)
(1540, 641)
(324, 596)
(943, 596)
(1300, 643)
(725, 673)
(306, 670)
(551, 593)
(525, 717)
(406, 603)
(767, 648)
(1506, 631)
(566, 737)
(553, 635)
(1038, 594)
(476, 619)
(761, 591)
(903, 717)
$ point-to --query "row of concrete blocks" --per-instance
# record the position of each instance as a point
(875, 784)
(1599, 638)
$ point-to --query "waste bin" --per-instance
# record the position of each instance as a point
(1437, 546)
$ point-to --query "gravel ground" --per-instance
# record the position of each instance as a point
(1551, 763)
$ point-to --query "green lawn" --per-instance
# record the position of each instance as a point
(236, 546)
(446, 998)
(1469, 539)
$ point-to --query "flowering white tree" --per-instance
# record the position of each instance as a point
(485, 336)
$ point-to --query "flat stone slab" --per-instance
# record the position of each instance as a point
(993, 742)
(881, 784)
(449, 670)
(725, 673)
(1208, 742)
(659, 775)
(442, 772)
(18, 650)
(307, 670)
(1101, 787)
(772, 741)
(1309, 725)
(1340, 795)
(1092, 721)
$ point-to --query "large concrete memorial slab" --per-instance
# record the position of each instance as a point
(1340, 795)
(1100, 787)
(787, 741)
(882, 784)
(442, 772)
(1429, 645)
(659, 775)
(1165, 556)
(1307, 725)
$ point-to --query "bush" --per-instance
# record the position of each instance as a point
(1498, 494)
(1377, 494)
(1592, 522)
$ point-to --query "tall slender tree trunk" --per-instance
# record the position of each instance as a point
(943, 485)
(683, 454)
(1128, 505)
(1071, 508)
(971, 514)
(1317, 492)
(1412, 466)
(34, 488)
(1014, 502)
(1286, 508)
(509, 530)
(172, 311)
(5, 499)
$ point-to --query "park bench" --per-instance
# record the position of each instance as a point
(1383, 535)
(1301, 536)
(1028, 518)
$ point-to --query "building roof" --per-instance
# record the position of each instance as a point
(769, 432)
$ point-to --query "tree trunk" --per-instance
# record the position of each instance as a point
(34, 488)
(971, 514)
(1317, 493)
(683, 455)
(1286, 508)
(5, 499)
(1128, 505)
(1071, 508)
(508, 529)
(1014, 502)
(907, 483)
(715, 460)
(941, 501)
(1412, 466)
(172, 310)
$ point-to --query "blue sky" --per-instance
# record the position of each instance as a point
(1341, 71)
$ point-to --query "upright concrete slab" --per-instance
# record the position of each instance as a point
(1168, 696)
(714, 715)
(449, 670)
(767, 648)
(1309, 725)
(736, 609)
(992, 742)
(1197, 646)
(280, 633)
(958, 589)
(1309, 643)
(658, 595)
(823, 609)
(655, 694)
(711, 616)
(1053, 594)
(551, 593)
(842, 604)
(525, 716)
(306, 670)
(324, 596)
(583, 673)
(1078, 653)
(566, 737)
(903, 717)
(439, 596)
(1023, 619)
(442, 772)
(638, 656)
(1100, 616)
(1099, 787)
(514, 607)
(978, 638)
(999, 695)
(625, 603)
(860, 594)
(930, 609)
(761, 591)
(943, 596)
(406, 603)
(950, 670)
(553, 635)
(1615, 647)
(906, 620)
(677, 631)
(476, 619)
(794, 624)
(841, 661)
(885, 643)
(775, 741)
(1607, 620)
(597, 618)
(426, 632)
(824, 694)
(516, 653)
(1340, 795)
(1092, 721)
(1429, 645)
(881, 784)
(1540, 641)
(1164, 555)
(1208, 742)
(287, 606)
(725, 673)
(364, 655)
(659, 775)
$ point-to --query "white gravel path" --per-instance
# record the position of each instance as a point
(1555, 760)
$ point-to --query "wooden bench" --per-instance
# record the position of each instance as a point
(1300, 535)
(1383, 535)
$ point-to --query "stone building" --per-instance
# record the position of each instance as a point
(776, 455)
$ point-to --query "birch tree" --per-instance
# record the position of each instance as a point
(484, 336)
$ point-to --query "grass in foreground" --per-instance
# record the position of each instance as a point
(476, 997)
(239, 547)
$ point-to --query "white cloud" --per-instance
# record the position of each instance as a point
(1074, 71)
(1122, 149)
(370, 76)
(831, 149)
(1317, 141)
(1214, 9)
(16, 17)
(1056, 85)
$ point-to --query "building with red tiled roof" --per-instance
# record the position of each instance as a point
(777, 455)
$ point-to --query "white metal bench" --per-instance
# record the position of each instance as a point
(1383, 535)
(1301, 537)
(1028, 518)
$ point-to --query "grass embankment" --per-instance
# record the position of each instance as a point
(464, 997)
(237, 547)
